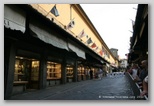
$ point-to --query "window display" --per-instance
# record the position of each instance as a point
(81, 70)
(26, 71)
(69, 71)
(53, 70)
(22, 68)
(35, 71)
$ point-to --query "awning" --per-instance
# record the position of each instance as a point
(45, 34)
(78, 51)
(14, 18)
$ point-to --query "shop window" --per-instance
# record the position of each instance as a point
(79, 70)
(22, 67)
(26, 69)
(69, 71)
(35, 71)
(82, 72)
(95, 72)
(53, 70)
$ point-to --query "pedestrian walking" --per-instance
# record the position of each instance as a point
(100, 73)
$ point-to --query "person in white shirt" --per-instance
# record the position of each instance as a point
(145, 87)
(134, 71)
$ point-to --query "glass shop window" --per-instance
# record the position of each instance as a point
(53, 70)
(22, 67)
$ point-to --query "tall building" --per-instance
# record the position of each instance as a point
(123, 64)
(114, 52)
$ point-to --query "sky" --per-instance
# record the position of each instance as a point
(114, 23)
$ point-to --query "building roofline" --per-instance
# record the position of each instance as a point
(84, 15)
(29, 7)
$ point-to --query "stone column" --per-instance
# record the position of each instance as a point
(63, 71)
(43, 71)
(9, 67)
(75, 71)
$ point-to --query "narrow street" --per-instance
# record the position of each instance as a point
(109, 88)
(57, 51)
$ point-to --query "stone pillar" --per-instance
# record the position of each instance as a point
(75, 71)
(9, 67)
(63, 71)
(43, 71)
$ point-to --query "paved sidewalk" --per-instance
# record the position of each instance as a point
(109, 88)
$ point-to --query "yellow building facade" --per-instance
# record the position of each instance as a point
(74, 13)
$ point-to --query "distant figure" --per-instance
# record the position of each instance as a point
(100, 73)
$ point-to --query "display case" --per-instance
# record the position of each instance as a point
(18, 74)
(21, 70)
(53, 70)
(81, 73)
(21, 75)
(53, 73)
(69, 73)
(35, 71)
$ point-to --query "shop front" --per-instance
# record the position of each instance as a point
(81, 73)
(71, 68)
(26, 74)
(38, 54)
(36, 67)
(53, 73)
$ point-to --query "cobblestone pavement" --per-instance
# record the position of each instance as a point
(109, 88)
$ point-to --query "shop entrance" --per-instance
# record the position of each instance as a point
(26, 73)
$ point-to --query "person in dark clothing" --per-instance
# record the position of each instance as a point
(143, 74)
(91, 74)
(144, 71)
